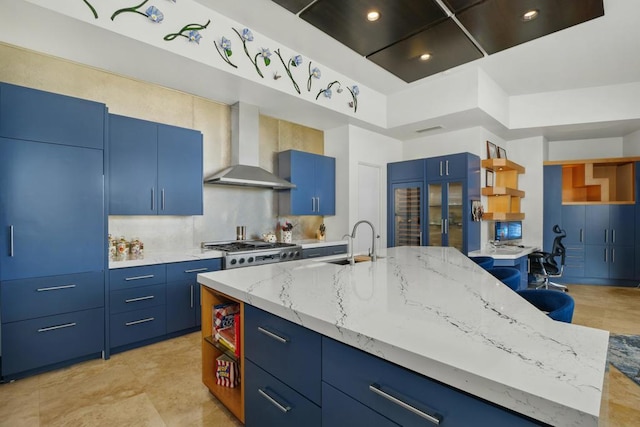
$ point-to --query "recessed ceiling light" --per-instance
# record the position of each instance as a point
(374, 15)
(530, 15)
(425, 56)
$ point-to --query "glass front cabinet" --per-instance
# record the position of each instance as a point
(430, 202)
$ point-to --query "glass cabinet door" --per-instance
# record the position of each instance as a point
(407, 201)
(436, 226)
(455, 219)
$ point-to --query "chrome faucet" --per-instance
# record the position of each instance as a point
(374, 257)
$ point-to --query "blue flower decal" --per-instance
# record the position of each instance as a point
(225, 46)
(355, 91)
(327, 91)
(247, 35)
(266, 55)
(313, 74)
(154, 14)
(194, 36)
(296, 60)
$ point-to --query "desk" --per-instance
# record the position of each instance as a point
(509, 256)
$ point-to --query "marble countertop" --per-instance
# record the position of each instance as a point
(437, 313)
(504, 252)
(194, 254)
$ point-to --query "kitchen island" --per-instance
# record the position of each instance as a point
(436, 313)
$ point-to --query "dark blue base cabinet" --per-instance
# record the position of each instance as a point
(294, 377)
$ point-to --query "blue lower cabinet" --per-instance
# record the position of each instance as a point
(36, 343)
(340, 410)
(286, 350)
(137, 298)
(389, 388)
(270, 402)
(139, 325)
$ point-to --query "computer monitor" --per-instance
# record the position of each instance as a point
(505, 231)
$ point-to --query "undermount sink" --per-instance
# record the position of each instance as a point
(345, 261)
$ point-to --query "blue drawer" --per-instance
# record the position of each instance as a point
(355, 373)
(133, 326)
(122, 278)
(340, 410)
(137, 298)
(45, 296)
(287, 351)
(35, 343)
(336, 250)
(187, 271)
(269, 402)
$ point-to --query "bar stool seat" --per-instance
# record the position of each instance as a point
(557, 305)
(485, 262)
(508, 275)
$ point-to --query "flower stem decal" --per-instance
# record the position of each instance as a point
(315, 73)
(225, 45)
(355, 91)
(192, 36)
(295, 61)
(133, 9)
(95, 14)
(247, 36)
(327, 91)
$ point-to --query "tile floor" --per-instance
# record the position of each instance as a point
(160, 384)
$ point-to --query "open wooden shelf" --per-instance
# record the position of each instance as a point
(231, 398)
(502, 165)
(503, 198)
(502, 216)
(502, 191)
(598, 182)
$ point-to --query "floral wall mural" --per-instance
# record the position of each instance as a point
(258, 58)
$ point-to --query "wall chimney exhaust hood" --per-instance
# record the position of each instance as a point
(245, 171)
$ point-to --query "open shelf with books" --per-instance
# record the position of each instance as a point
(212, 349)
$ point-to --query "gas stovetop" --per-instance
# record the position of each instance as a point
(245, 253)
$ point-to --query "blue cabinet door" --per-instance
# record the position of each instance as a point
(622, 225)
(408, 170)
(552, 203)
(180, 179)
(406, 226)
(133, 159)
(446, 167)
(325, 184)
(573, 222)
(51, 209)
(340, 410)
(302, 175)
(622, 262)
(35, 115)
(597, 259)
(597, 221)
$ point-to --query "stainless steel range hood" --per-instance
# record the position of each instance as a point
(245, 153)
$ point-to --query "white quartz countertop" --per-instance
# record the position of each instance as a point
(504, 252)
(437, 313)
(165, 257)
(313, 243)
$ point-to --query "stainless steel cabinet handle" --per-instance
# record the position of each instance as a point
(435, 419)
(605, 254)
(162, 199)
(273, 401)
(440, 167)
(613, 255)
(53, 328)
(447, 168)
(137, 322)
(55, 288)
(446, 226)
(148, 276)
(441, 226)
(11, 240)
(613, 235)
(272, 335)
(313, 204)
(318, 205)
(605, 235)
(196, 270)
(421, 238)
(191, 296)
(153, 199)
(581, 235)
(139, 299)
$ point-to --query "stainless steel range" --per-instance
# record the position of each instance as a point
(245, 253)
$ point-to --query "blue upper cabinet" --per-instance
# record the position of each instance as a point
(154, 169)
(34, 115)
(409, 170)
(552, 203)
(446, 167)
(315, 179)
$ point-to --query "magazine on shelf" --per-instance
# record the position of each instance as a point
(226, 326)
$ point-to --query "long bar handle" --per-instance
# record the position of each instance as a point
(272, 335)
(613, 255)
(196, 270)
(581, 235)
(446, 226)
(435, 419)
(447, 167)
(613, 235)
(318, 203)
(139, 299)
(153, 199)
(53, 328)
(313, 204)
(11, 240)
(441, 226)
(274, 402)
(191, 296)
(55, 288)
(137, 322)
(605, 235)
(421, 238)
(162, 199)
(440, 167)
(147, 276)
(605, 254)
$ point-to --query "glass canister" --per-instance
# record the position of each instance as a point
(122, 248)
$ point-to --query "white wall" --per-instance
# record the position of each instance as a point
(631, 144)
(336, 144)
(586, 149)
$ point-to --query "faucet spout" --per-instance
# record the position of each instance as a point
(374, 257)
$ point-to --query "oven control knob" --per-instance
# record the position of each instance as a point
(233, 262)
(250, 259)
(291, 254)
(283, 255)
(241, 261)
(297, 254)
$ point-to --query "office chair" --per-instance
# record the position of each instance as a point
(545, 265)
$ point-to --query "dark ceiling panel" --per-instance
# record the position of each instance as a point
(456, 6)
(446, 42)
(345, 21)
(497, 24)
(294, 6)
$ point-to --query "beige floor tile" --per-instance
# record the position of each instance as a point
(20, 403)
